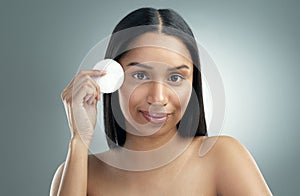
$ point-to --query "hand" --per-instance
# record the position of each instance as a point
(80, 99)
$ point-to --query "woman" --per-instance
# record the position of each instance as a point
(159, 106)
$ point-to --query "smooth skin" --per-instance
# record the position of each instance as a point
(227, 168)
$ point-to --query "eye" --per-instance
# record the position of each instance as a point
(175, 78)
(140, 75)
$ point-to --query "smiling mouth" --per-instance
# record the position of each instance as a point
(156, 118)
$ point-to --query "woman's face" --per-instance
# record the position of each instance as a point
(158, 84)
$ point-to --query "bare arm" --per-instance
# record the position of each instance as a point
(237, 172)
(56, 180)
(71, 177)
(80, 100)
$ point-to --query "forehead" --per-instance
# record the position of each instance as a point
(161, 48)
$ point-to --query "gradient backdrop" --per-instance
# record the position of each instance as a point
(255, 45)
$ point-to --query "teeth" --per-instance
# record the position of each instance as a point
(156, 118)
(157, 115)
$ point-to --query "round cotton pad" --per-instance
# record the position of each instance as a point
(114, 77)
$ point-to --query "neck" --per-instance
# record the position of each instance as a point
(141, 153)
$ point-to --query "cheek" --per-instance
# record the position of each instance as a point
(123, 100)
(131, 97)
(181, 96)
(137, 98)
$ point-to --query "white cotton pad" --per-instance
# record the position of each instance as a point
(114, 77)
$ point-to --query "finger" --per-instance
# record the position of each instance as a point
(87, 78)
(72, 93)
(83, 92)
(90, 99)
(86, 98)
(88, 83)
(66, 94)
(92, 73)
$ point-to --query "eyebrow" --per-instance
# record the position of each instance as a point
(139, 65)
(179, 67)
(149, 67)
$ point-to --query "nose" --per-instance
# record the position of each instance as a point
(158, 94)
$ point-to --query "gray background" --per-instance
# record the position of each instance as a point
(255, 45)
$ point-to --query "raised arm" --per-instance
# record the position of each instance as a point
(80, 100)
(71, 176)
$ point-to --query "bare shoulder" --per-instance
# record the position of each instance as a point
(220, 147)
(95, 164)
(214, 146)
(236, 172)
(227, 150)
(224, 146)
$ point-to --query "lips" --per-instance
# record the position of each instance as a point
(156, 118)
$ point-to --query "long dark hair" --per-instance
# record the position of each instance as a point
(168, 22)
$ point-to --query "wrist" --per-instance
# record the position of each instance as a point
(79, 141)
